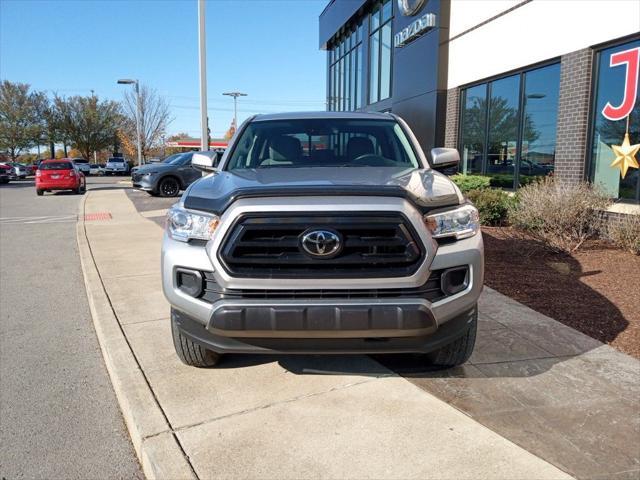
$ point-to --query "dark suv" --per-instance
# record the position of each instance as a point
(169, 177)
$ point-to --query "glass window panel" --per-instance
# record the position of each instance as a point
(503, 130)
(340, 79)
(360, 34)
(386, 11)
(473, 123)
(360, 92)
(331, 86)
(610, 89)
(542, 89)
(353, 77)
(347, 80)
(374, 48)
(353, 39)
(375, 18)
(385, 62)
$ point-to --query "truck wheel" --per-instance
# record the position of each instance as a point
(40, 192)
(169, 187)
(458, 351)
(191, 353)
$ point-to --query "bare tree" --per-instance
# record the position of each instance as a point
(19, 122)
(154, 118)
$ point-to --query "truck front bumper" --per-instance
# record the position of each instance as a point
(427, 338)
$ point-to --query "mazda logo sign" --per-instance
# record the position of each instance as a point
(321, 243)
(410, 7)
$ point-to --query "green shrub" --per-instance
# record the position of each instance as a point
(493, 205)
(625, 233)
(560, 215)
(467, 183)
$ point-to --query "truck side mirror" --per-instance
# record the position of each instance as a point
(203, 162)
(442, 158)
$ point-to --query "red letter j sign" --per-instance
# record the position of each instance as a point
(631, 58)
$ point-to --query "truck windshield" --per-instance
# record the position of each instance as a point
(322, 143)
(116, 160)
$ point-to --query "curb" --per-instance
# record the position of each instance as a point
(154, 442)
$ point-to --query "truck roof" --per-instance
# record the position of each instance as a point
(322, 115)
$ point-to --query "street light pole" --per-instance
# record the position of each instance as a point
(235, 96)
(128, 81)
(204, 123)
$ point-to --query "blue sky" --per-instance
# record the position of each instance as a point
(266, 48)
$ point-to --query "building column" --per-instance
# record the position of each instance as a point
(452, 120)
(573, 116)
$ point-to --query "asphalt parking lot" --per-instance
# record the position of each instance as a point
(59, 417)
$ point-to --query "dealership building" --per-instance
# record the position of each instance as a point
(523, 88)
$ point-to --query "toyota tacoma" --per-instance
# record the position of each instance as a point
(324, 233)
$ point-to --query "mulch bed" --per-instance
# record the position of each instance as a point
(595, 290)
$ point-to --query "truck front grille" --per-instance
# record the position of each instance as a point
(374, 245)
(212, 292)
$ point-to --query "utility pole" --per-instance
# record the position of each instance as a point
(204, 144)
(128, 81)
(235, 96)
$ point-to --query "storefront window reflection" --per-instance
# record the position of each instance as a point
(345, 90)
(473, 128)
(511, 137)
(541, 98)
(610, 88)
(380, 49)
(503, 130)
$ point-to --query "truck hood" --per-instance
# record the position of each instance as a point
(426, 189)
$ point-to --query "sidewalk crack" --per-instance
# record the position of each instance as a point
(283, 402)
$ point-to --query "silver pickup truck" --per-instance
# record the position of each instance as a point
(323, 233)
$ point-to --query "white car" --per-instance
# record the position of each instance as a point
(82, 165)
(95, 169)
(116, 166)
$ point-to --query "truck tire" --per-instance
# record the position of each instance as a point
(457, 352)
(191, 353)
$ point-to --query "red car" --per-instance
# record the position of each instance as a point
(5, 173)
(32, 168)
(59, 174)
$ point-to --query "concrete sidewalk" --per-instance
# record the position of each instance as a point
(312, 416)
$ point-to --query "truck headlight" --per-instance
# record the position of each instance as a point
(184, 225)
(462, 222)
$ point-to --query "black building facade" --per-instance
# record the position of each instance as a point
(366, 71)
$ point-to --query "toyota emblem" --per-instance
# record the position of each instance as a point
(321, 243)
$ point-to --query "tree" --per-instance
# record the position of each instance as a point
(50, 118)
(90, 125)
(19, 122)
(231, 132)
(154, 118)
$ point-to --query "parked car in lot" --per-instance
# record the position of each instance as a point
(169, 177)
(325, 232)
(116, 166)
(82, 165)
(6, 172)
(19, 170)
(32, 168)
(95, 169)
(59, 174)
